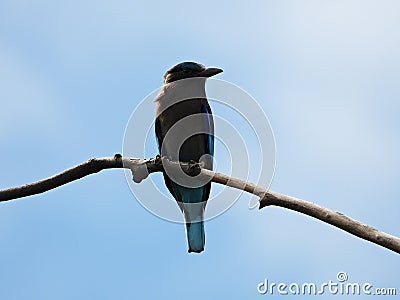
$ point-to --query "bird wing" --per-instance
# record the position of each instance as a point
(206, 110)
(159, 135)
(168, 182)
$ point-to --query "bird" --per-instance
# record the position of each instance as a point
(184, 128)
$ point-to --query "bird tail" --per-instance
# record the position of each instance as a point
(193, 211)
(195, 236)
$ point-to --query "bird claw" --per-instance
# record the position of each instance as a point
(194, 168)
(158, 160)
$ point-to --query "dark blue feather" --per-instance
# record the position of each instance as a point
(205, 108)
(159, 137)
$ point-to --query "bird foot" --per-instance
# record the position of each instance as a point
(194, 168)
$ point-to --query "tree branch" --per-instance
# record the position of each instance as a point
(142, 168)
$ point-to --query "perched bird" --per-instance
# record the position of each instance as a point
(184, 128)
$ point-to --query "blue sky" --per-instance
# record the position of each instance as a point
(71, 73)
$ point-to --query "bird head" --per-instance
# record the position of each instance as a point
(189, 69)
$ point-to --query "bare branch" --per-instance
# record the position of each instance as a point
(142, 168)
(334, 218)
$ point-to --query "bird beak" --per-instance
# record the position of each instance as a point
(210, 72)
